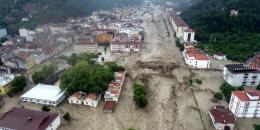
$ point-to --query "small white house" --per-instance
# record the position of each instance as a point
(85, 99)
(76, 98)
(91, 100)
(220, 56)
(44, 94)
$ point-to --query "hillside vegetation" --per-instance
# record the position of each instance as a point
(217, 31)
(50, 11)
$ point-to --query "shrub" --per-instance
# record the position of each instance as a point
(257, 126)
(258, 87)
(190, 82)
(66, 116)
(140, 95)
(218, 95)
(131, 129)
(198, 81)
(45, 108)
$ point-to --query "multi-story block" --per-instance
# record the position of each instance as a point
(125, 44)
(241, 75)
(245, 103)
(5, 81)
(84, 46)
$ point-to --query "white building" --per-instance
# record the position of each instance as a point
(241, 75)
(188, 35)
(195, 58)
(3, 32)
(115, 87)
(25, 119)
(85, 99)
(76, 98)
(222, 119)
(91, 99)
(245, 103)
(84, 46)
(44, 94)
(38, 56)
(125, 44)
(183, 31)
(220, 56)
(27, 34)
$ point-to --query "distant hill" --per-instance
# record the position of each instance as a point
(237, 36)
(46, 11)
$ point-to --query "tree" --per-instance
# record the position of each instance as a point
(198, 81)
(218, 95)
(102, 59)
(114, 67)
(258, 87)
(226, 89)
(45, 72)
(131, 129)
(38, 77)
(18, 84)
(140, 96)
(257, 126)
(86, 77)
(89, 57)
(45, 108)
(66, 116)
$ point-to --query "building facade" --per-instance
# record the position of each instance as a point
(3, 32)
(5, 81)
(25, 119)
(241, 75)
(44, 94)
(125, 44)
(222, 119)
(195, 58)
(245, 103)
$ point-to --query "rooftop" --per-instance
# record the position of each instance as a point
(44, 92)
(5, 79)
(178, 21)
(222, 116)
(25, 119)
(109, 105)
(243, 95)
(240, 68)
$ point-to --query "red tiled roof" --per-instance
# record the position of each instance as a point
(115, 91)
(196, 53)
(91, 96)
(222, 116)
(109, 105)
(201, 57)
(76, 95)
(241, 95)
(178, 21)
(17, 118)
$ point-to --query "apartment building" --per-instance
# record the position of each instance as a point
(241, 75)
(245, 103)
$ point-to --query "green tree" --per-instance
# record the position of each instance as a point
(38, 77)
(114, 67)
(86, 77)
(66, 116)
(45, 72)
(45, 108)
(140, 95)
(131, 129)
(18, 84)
(218, 95)
(198, 81)
(258, 87)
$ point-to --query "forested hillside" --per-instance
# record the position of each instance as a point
(237, 36)
(46, 11)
